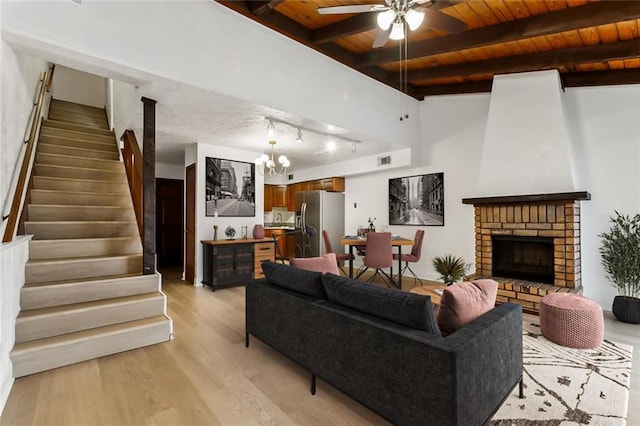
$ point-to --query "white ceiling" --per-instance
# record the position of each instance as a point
(186, 115)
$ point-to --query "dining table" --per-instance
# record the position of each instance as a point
(396, 241)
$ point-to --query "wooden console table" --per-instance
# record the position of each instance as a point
(229, 263)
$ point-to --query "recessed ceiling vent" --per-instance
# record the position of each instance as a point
(290, 176)
(384, 161)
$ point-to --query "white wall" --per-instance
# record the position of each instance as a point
(13, 257)
(225, 52)
(126, 104)
(169, 171)
(79, 87)
(204, 224)
(452, 137)
(605, 129)
(19, 81)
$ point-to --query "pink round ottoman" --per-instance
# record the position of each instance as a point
(571, 320)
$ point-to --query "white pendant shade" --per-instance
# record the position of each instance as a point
(414, 18)
(397, 32)
(385, 19)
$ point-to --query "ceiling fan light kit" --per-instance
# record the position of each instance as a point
(394, 15)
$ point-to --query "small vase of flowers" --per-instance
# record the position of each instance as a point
(372, 227)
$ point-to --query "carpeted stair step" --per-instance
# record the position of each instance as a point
(59, 104)
(47, 133)
(84, 163)
(83, 247)
(80, 185)
(42, 295)
(49, 196)
(46, 270)
(78, 128)
(82, 143)
(86, 121)
(81, 229)
(78, 173)
(45, 354)
(53, 321)
(47, 148)
(56, 213)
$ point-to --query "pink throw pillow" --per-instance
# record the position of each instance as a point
(324, 264)
(462, 303)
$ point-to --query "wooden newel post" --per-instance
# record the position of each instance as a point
(149, 186)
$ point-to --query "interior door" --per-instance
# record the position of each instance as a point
(169, 226)
(190, 228)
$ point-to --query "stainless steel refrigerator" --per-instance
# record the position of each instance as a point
(315, 211)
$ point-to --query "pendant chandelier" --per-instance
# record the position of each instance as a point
(266, 165)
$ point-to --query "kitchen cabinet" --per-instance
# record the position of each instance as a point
(229, 263)
(335, 184)
(269, 195)
(275, 196)
(280, 198)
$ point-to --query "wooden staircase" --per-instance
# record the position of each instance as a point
(84, 295)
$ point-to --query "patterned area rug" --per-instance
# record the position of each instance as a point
(565, 386)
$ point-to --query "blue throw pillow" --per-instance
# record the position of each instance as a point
(306, 282)
(412, 310)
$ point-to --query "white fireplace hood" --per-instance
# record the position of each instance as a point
(526, 145)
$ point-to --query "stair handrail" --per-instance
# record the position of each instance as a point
(28, 158)
(132, 157)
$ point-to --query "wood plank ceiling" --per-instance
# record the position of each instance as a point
(588, 42)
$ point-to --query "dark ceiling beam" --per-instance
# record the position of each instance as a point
(535, 61)
(573, 18)
(482, 86)
(574, 79)
(261, 7)
(360, 23)
(601, 78)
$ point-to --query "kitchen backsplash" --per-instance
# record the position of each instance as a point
(279, 215)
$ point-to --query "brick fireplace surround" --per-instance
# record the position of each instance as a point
(554, 215)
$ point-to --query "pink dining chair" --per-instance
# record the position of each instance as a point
(340, 257)
(379, 255)
(414, 256)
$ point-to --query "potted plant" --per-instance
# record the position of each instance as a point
(452, 269)
(620, 253)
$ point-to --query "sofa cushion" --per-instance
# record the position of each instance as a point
(462, 303)
(326, 263)
(306, 282)
(411, 310)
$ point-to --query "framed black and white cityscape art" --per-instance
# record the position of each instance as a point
(417, 200)
(230, 188)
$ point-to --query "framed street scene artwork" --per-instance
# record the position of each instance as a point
(230, 188)
(417, 200)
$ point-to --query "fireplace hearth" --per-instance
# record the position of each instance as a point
(530, 244)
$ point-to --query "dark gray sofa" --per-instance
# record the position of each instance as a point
(372, 344)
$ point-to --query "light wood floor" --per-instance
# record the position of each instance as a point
(205, 376)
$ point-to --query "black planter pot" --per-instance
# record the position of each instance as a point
(627, 309)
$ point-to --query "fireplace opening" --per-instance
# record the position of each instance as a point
(525, 258)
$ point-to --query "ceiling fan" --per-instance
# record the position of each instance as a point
(395, 15)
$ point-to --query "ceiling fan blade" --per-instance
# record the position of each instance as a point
(441, 21)
(382, 37)
(356, 8)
